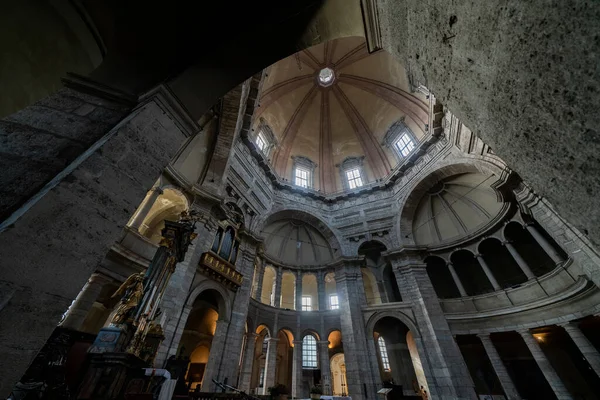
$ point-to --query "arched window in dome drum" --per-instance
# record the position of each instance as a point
(227, 243)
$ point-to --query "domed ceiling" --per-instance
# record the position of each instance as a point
(334, 101)
(295, 242)
(454, 208)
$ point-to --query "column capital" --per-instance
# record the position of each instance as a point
(478, 255)
(484, 335)
(295, 342)
(271, 339)
(323, 342)
(570, 325)
(524, 332)
(252, 335)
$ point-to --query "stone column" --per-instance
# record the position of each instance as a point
(507, 384)
(143, 211)
(229, 366)
(325, 366)
(177, 303)
(541, 240)
(383, 292)
(487, 271)
(277, 295)
(271, 364)
(520, 261)
(584, 345)
(259, 279)
(214, 357)
(550, 374)
(322, 296)
(456, 279)
(246, 375)
(444, 367)
(359, 371)
(298, 294)
(297, 370)
(84, 301)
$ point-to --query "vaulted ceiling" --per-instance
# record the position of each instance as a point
(347, 116)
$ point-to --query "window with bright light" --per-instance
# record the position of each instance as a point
(383, 353)
(405, 144)
(306, 303)
(302, 176)
(261, 142)
(333, 302)
(261, 379)
(354, 178)
(309, 352)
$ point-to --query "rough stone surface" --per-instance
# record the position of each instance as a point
(524, 76)
(53, 248)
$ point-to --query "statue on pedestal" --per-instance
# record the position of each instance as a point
(131, 292)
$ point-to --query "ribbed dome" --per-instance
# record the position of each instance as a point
(454, 208)
(295, 242)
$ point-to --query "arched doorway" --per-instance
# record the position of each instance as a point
(198, 335)
(338, 373)
(399, 362)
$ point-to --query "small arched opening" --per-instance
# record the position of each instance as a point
(268, 286)
(530, 251)
(502, 265)
(310, 290)
(288, 289)
(470, 273)
(441, 278)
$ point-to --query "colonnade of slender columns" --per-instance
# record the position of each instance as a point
(541, 241)
(584, 345)
(542, 361)
(505, 381)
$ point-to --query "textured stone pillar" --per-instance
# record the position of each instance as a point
(445, 369)
(259, 280)
(297, 370)
(277, 295)
(520, 261)
(385, 298)
(98, 160)
(271, 364)
(359, 371)
(298, 294)
(84, 301)
(230, 357)
(217, 347)
(507, 384)
(176, 304)
(323, 303)
(143, 211)
(584, 345)
(325, 366)
(487, 271)
(456, 279)
(547, 369)
(544, 244)
(246, 375)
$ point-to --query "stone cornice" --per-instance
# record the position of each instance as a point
(89, 86)
(170, 104)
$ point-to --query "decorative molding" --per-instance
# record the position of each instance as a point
(370, 16)
(89, 86)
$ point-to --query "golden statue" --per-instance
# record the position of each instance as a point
(131, 292)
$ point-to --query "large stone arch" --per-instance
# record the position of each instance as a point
(399, 315)
(224, 300)
(409, 203)
(295, 213)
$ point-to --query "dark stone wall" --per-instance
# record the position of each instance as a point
(524, 77)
